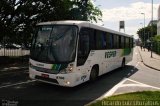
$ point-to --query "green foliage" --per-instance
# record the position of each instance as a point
(156, 44)
(19, 17)
(131, 97)
(148, 31)
(157, 38)
(85, 10)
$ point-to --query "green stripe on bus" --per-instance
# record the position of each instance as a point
(57, 67)
(126, 51)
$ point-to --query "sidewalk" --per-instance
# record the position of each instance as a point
(153, 62)
(128, 85)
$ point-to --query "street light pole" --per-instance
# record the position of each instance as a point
(142, 32)
(144, 28)
(152, 29)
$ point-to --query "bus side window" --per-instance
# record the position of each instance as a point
(122, 42)
(108, 40)
(111, 40)
(119, 41)
(92, 39)
(127, 42)
(131, 42)
(104, 41)
(99, 40)
(83, 46)
(115, 41)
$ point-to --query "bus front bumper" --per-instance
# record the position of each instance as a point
(68, 80)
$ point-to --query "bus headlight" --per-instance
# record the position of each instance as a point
(67, 82)
(70, 69)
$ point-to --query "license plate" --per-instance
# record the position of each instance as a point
(45, 75)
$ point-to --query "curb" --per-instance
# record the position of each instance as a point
(145, 63)
(140, 55)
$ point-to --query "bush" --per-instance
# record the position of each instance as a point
(157, 38)
(156, 44)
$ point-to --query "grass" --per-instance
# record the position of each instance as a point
(145, 98)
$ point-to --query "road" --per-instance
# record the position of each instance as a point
(17, 87)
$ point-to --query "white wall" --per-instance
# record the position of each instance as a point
(158, 24)
(158, 28)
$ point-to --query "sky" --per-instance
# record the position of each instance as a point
(128, 11)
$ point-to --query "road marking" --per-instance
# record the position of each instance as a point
(137, 64)
(111, 91)
(119, 85)
(134, 85)
(143, 84)
(29, 81)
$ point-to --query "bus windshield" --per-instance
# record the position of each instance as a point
(54, 43)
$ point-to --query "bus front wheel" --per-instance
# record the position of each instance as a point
(94, 73)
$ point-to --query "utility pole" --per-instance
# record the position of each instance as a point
(152, 30)
(144, 30)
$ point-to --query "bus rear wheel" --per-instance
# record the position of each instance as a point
(123, 63)
(94, 74)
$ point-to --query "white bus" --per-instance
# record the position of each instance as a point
(68, 53)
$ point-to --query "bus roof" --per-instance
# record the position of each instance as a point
(84, 24)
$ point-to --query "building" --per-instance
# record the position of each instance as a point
(158, 23)
(158, 28)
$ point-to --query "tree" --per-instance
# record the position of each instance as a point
(85, 10)
(148, 31)
(19, 17)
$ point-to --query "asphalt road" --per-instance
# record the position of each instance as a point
(18, 88)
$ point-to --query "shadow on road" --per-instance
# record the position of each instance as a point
(88, 91)
(42, 93)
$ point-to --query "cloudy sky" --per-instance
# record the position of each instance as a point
(128, 11)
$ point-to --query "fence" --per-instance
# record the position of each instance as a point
(14, 52)
(14, 56)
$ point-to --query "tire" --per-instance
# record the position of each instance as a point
(94, 74)
(123, 63)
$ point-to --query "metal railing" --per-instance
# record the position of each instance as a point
(14, 52)
(14, 56)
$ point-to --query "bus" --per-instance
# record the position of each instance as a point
(68, 53)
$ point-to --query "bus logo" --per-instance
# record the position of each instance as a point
(110, 54)
(42, 65)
